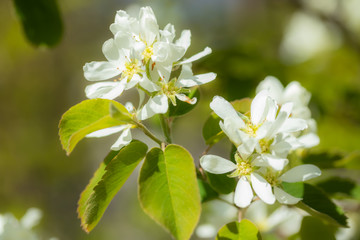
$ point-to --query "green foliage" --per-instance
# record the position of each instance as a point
(87, 117)
(337, 186)
(168, 190)
(107, 181)
(212, 132)
(243, 105)
(41, 21)
(312, 228)
(315, 199)
(244, 230)
(334, 160)
(181, 107)
(206, 191)
(221, 182)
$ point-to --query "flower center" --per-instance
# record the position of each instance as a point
(131, 68)
(272, 179)
(243, 169)
(251, 129)
(265, 145)
(147, 53)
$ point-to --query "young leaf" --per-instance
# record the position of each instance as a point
(87, 117)
(312, 228)
(107, 181)
(243, 105)
(168, 190)
(41, 21)
(244, 230)
(221, 182)
(315, 199)
(344, 187)
(181, 107)
(212, 132)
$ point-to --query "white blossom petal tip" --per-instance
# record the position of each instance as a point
(262, 188)
(217, 165)
(301, 173)
(243, 193)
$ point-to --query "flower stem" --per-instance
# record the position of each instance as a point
(148, 133)
(165, 127)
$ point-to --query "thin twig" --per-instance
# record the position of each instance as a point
(148, 133)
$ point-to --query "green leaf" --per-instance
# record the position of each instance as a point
(206, 191)
(315, 199)
(294, 189)
(168, 190)
(334, 160)
(181, 107)
(87, 117)
(107, 181)
(41, 21)
(312, 228)
(323, 160)
(244, 230)
(212, 132)
(221, 182)
(336, 186)
(243, 105)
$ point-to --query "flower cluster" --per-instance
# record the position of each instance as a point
(277, 123)
(143, 56)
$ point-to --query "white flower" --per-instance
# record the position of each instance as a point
(11, 228)
(122, 66)
(125, 137)
(299, 173)
(246, 173)
(300, 98)
(157, 47)
(250, 178)
(172, 90)
(260, 131)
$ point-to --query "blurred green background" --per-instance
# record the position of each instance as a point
(314, 42)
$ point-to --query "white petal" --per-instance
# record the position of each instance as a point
(133, 81)
(97, 71)
(168, 34)
(105, 90)
(268, 160)
(184, 98)
(155, 105)
(124, 139)
(184, 40)
(231, 128)
(259, 107)
(243, 193)
(224, 109)
(149, 28)
(274, 87)
(197, 80)
(285, 198)
(215, 164)
(301, 173)
(309, 140)
(283, 115)
(293, 125)
(148, 85)
(197, 56)
(294, 92)
(247, 147)
(107, 131)
(262, 188)
(110, 51)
